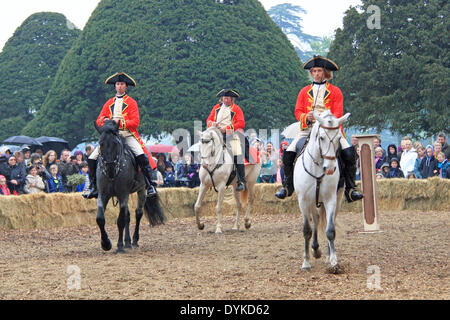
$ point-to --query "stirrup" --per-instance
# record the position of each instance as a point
(241, 186)
(151, 191)
(353, 195)
(93, 193)
(281, 194)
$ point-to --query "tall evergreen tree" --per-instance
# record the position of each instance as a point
(396, 75)
(180, 52)
(28, 64)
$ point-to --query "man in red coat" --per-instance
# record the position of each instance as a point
(320, 96)
(229, 118)
(124, 110)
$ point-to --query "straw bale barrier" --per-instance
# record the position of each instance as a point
(64, 210)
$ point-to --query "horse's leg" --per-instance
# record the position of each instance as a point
(102, 202)
(127, 230)
(237, 198)
(198, 204)
(315, 244)
(307, 233)
(121, 222)
(220, 196)
(330, 208)
(250, 200)
(139, 213)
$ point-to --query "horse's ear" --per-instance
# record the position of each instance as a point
(344, 118)
(96, 127)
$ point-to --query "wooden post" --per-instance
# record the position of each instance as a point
(368, 181)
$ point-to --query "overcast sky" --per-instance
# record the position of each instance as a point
(14, 13)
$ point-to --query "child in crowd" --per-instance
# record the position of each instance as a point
(4, 190)
(395, 171)
(55, 183)
(443, 166)
(84, 187)
(34, 182)
(385, 170)
(169, 176)
(428, 166)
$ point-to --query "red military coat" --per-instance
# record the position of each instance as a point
(130, 114)
(333, 101)
(237, 117)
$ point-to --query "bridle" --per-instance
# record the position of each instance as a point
(115, 162)
(322, 156)
(213, 153)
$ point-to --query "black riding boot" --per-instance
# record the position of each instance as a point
(143, 163)
(240, 168)
(93, 193)
(349, 157)
(288, 181)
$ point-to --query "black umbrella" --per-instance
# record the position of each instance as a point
(53, 143)
(22, 140)
(45, 139)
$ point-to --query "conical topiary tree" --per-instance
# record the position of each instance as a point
(28, 64)
(180, 53)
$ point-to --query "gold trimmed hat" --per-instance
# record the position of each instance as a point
(121, 77)
(320, 62)
(228, 93)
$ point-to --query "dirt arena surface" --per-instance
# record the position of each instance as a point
(177, 261)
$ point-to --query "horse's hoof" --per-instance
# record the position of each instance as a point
(201, 226)
(308, 269)
(135, 245)
(248, 225)
(218, 231)
(128, 246)
(317, 253)
(336, 269)
(120, 250)
(106, 245)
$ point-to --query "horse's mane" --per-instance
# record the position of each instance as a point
(217, 132)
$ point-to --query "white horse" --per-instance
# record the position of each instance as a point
(316, 178)
(217, 165)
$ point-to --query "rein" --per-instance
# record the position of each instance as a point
(218, 165)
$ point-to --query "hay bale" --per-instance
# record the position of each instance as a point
(71, 209)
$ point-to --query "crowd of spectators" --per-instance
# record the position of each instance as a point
(23, 172)
(411, 160)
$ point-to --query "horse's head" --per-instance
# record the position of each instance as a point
(210, 144)
(111, 147)
(327, 134)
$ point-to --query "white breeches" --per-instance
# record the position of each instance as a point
(304, 133)
(131, 141)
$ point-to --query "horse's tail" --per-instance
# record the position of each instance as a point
(154, 211)
(244, 196)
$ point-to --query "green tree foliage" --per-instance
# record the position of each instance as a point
(28, 64)
(396, 77)
(181, 53)
(288, 17)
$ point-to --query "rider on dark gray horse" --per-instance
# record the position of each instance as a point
(320, 96)
(124, 110)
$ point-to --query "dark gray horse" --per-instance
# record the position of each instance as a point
(117, 176)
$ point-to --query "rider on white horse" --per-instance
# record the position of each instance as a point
(320, 96)
(229, 118)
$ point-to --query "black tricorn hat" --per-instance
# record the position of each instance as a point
(320, 62)
(121, 77)
(228, 93)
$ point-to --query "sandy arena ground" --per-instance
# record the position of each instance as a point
(177, 261)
